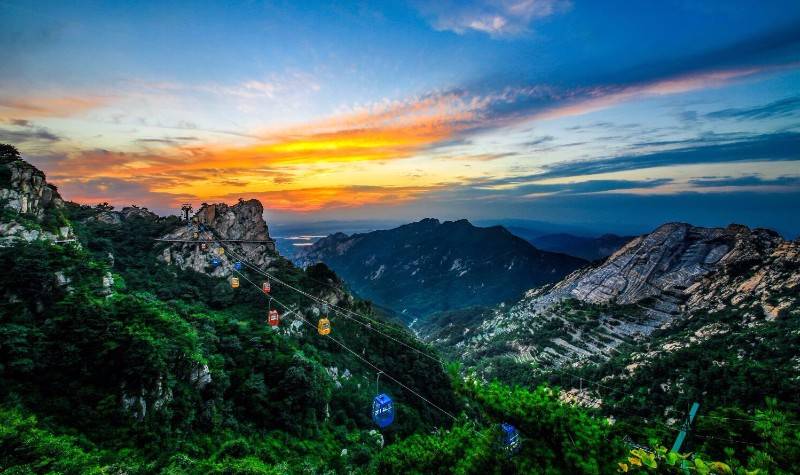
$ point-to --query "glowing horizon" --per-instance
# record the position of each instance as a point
(321, 113)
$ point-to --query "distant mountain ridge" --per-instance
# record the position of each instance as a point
(589, 248)
(432, 266)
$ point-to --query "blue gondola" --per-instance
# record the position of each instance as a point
(215, 262)
(237, 265)
(382, 410)
(509, 437)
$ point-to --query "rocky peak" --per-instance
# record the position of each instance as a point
(32, 207)
(662, 264)
(243, 221)
(651, 282)
(24, 188)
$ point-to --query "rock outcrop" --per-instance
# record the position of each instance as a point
(117, 217)
(243, 224)
(24, 189)
(661, 266)
(650, 283)
(32, 209)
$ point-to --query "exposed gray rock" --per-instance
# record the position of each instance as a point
(243, 221)
(107, 283)
(653, 280)
(138, 403)
(27, 191)
(200, 376)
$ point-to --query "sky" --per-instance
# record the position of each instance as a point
(611, 115)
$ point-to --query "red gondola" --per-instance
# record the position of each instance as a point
(265, 287)
(273, 318)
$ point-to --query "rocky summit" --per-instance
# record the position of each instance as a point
(239, 224)
(32, 208)
(649, 284)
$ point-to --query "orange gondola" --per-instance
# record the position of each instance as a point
(235, 282)
(273, 318)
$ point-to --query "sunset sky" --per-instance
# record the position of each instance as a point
(592, 112)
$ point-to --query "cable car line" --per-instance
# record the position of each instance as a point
(354, 353)
(198, 241)
(344, 312)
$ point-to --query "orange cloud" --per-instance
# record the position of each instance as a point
(48, 106)
(307, 200)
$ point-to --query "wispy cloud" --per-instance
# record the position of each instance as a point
(787, 107)
(496, 18)
(769, 147)
(748, 181)
(24, 132)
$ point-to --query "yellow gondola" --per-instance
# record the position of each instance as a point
(220, 251)
(235, 282)
(324, 326)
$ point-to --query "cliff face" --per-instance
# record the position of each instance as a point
(243, 221)
(662, 266)
(26, 191)
(32, 208)
(651, 283)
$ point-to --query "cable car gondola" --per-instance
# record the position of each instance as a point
(237, 265)
(203, 246)
(382, 407)
(195, 235)
(221, 251)
(265, 287)
(215, 262)
(509, 438)
(324, 326)
(273, 318)
(234, 282)
(382, 411)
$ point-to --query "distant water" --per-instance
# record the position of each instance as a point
(289, 245)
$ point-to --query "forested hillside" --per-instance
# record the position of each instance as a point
(113, 360)
(429, 266)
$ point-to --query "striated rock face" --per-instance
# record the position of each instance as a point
(650, 283)
(243, 221)
(662, 265)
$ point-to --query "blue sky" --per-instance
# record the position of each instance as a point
(618, 115)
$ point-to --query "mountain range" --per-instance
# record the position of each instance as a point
(431, 266)
(124, 350)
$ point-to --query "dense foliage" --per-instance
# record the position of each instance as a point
(112, 361)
